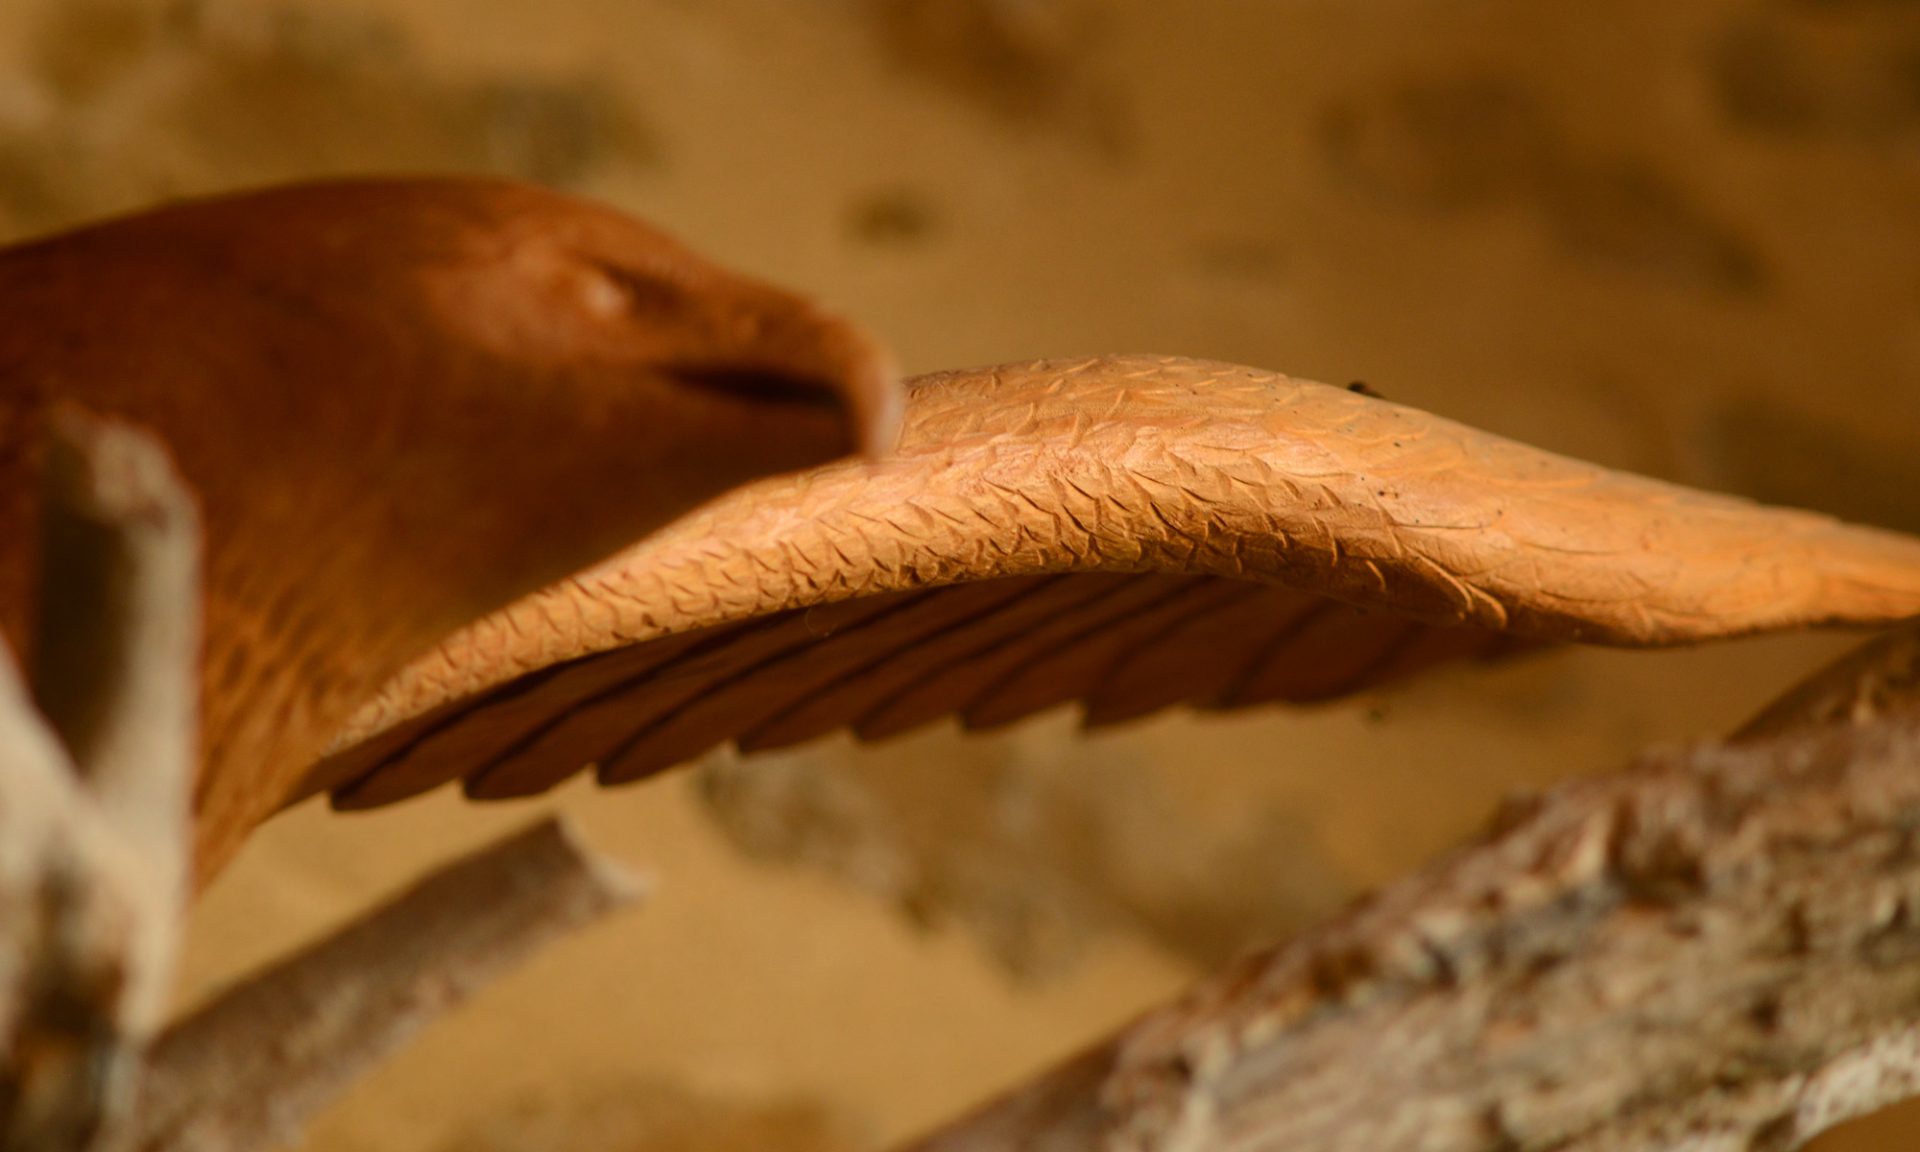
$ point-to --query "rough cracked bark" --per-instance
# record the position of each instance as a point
(1715, 949)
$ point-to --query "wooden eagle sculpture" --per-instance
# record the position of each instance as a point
(401, 405)
(420, 416)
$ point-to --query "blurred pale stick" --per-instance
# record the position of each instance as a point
(94, 785)
(247, 1070)
(94, 836)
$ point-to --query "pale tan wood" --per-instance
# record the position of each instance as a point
(1313, 542)
(94, 828)
(245, 1071)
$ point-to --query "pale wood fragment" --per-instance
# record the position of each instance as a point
(247, 1070)
(119, 627)
(68, 945)
(93, 845)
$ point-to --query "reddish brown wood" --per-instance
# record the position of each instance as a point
(402, 404)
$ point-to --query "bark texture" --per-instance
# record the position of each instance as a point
(1716, 949)
(1879, 678)
(342, 370)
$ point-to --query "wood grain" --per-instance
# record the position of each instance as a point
(1130, 532)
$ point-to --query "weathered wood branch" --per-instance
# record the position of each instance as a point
(93, 844)
(1879, 678)
(1715, 950)
(248, 1069)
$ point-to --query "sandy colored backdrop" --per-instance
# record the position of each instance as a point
(1681, 238)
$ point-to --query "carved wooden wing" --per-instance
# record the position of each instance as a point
(1129, 533)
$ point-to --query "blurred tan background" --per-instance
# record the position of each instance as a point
(1680, 238)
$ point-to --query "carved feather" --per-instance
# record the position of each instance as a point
(1132, 533)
